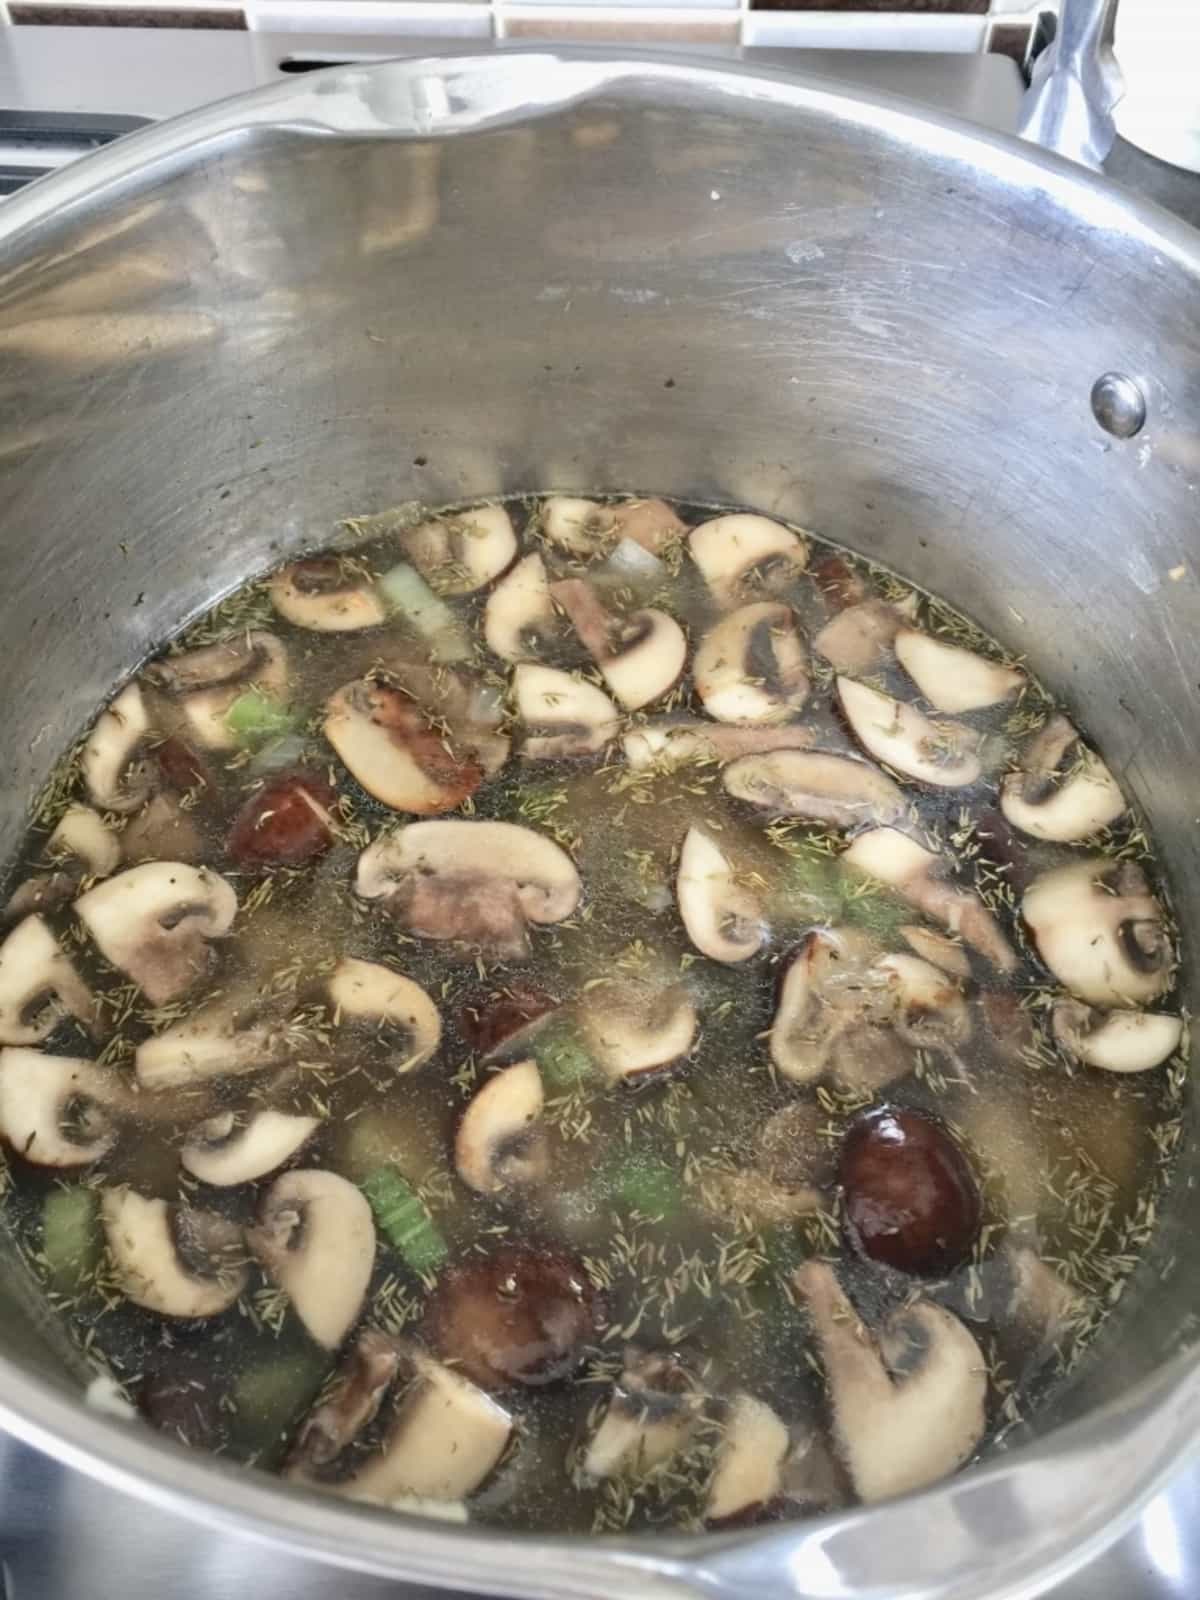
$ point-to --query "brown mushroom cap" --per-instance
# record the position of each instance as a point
(389, 745)
(752, 665)
(836, 790)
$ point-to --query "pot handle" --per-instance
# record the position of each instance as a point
(1068, 107)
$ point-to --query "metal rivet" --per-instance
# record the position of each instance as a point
(1118, 405)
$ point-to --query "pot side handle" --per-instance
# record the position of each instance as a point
(1068, 107)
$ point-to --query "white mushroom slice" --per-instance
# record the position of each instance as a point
(954, 679)
(640, 656)
(908, 1407)
(635, 1029)
(752, 666)
(938, 949)
(857, 640)
(316, 1240)
(676, 740)
(38, 985)
(222, 1153)
(82, 836)
(748, 1474)
(113, 779)
(582, 527)
(651, 524)
(732, 550)
(55, 1110)
(1101, 932)
(917, 875)
(387, 743)
(834, 1012)
(479, 882)
(931, 1012)
(500, 1141)
(207, 681)
(563, 715)
(222, 1039)
(836, 790)
(462, 551)
(1062, 790)
(367, 991)
(155, 922)
(519, 613)
(723, 919)
(1115, 1041)
(941, 753)
(173, 1259)
(327, 595)
(650, 1418)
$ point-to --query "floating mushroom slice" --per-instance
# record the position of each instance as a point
(500, 1141)
(387, 743)
(463, 550)
(918, 875)
(954, 679)
(367, 991)
(931, 1012)
(81, 835)
(858, 639)
(940, 753)
(161, 831)
(635, 1029)
(115, 780)
(584, 528)
(155, 922)
(316, 1240)
(56, 1111)
(348, 1405)
(1115, 1041)
(835, 1012)
(737, 551)
(173, 1259)
(519, 614)
(938, 949)
(752, 666)
(207, 681)
(723, 919)
(651, 524)
(223, 1152)
(327, 594)
(676, 740)
(1062, 791)
(1101, 932)
(39, 985)
(224, 1038)
(748, 1473)
(479, 882)
(573, 717)
(654, 1410)
(640, 656)
(836, 790)
(908, 1406)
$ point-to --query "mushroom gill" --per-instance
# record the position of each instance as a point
(39, 985)
(57, 1111)
(1061, 790)
(640, 656)
(740, 554)
(752, 666)
(173, 1259)
(1101, 932)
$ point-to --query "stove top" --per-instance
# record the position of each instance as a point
(64, 91)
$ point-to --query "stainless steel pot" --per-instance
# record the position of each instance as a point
(464, 277)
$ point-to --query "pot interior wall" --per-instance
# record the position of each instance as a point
(665, 288)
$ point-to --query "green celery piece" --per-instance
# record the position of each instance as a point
(70, 1235)
(404, 1220)
(563, 1060)
(254, 716)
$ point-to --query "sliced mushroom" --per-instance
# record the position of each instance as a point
(1115, 1041)
(752, 666)
(919, 876)
(500, 1141)
(1101, 932)
(82, 836)
(858, 638)
(954, 679)
(676, 740)
(651, 524)
(155, 922)
(636, 1029)
(734, 552)
(327, 594)
(519, 615)
(640, 656)
(470, 710)
(39, 986)
(931, 1013)
(115, 780)
(162, 831)
(223, 1152)
(573, 717)
(834, 1014)
(908, 1405)
(938, 949)
(584, 528)
(944, 754)
(173, 1259)
(655, 1408)
(368, 992)
(56, 1111)
(507, 1020)
(1062, 790)
(836, 790)
(388, 744)
(723, 918)
(232, 1034)
(208, 680)
(748, 1474)
(315, 1238)
(479, 882)
(462, 551)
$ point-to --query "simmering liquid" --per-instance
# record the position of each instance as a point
(586, 1015)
